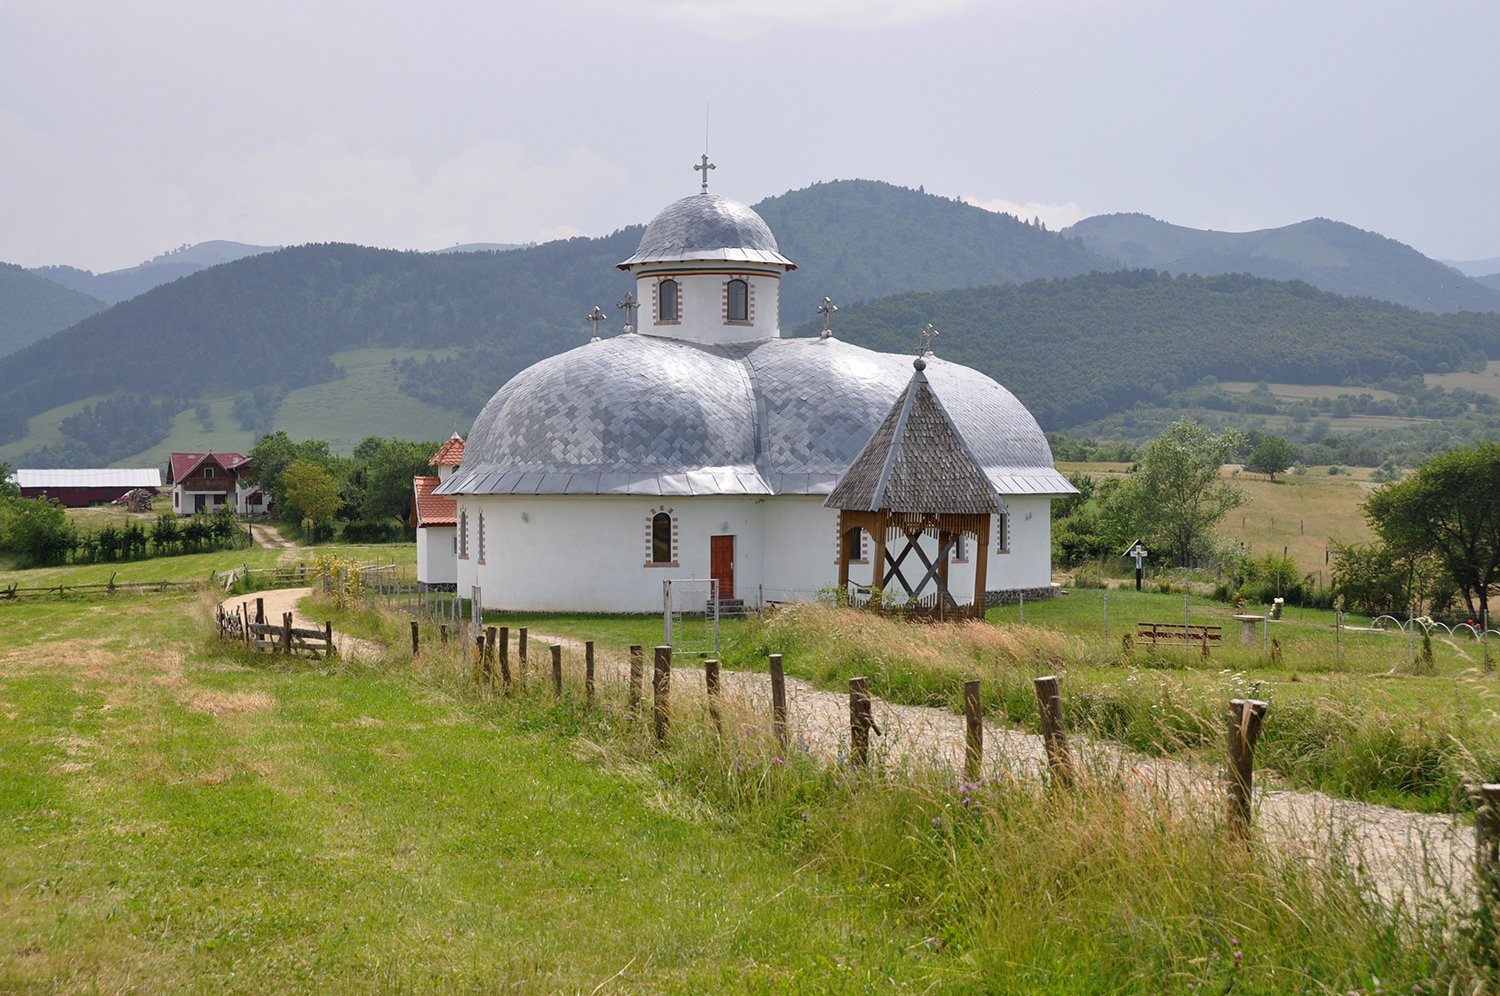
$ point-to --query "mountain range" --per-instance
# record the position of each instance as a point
(418, 341)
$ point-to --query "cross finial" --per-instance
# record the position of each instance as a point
(629, 304)
(926, 335)
(596, 316)
(703, 167)
(826, 309)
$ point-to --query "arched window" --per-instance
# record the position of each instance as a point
(737, 301)
(481, 536)
(661, 538)
(666, 301)
(463, 534)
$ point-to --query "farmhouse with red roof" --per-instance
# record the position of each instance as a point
(435, 518)
(202, 482)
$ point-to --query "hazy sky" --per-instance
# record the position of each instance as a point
(130, 128)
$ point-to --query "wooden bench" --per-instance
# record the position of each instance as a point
(1177, 633)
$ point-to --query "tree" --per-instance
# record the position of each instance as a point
(274, 452)
(1176, 496)
(36, 528)
(1271, 456)
(1450, 506)
(8, 488)
(312, 491)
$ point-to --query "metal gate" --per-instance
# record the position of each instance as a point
(690, 615)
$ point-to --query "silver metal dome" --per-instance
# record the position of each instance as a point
(707, 227)
(655, 416)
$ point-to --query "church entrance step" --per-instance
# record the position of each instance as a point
(730, 608)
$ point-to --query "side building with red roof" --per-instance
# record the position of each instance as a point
(435, 519)
(202, 482)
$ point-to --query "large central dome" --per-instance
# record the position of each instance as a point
(707, 227)
(645, 415)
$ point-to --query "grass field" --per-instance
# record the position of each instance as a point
(175, 815)
(1307, 392)
(1486, 381)
(1307, 514)
(365, 403)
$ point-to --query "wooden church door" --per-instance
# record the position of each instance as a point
(721, 564)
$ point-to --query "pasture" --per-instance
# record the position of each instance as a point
(176, 813)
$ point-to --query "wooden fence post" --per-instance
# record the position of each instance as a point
(557, 670)
(661, 687)
(778, 702)
(637, 665)
(245, 613)
(286, 633)
(1245, 717)
(489, 656)
(860, 721)
(1487, 843)
(588, 673)
(479, 661)
(973, 731)
(521, 655)
(328, 636)
(711, 681)
(442, 634)
(415, 648)
(260, 610)
(505, 656)
(1049, 705)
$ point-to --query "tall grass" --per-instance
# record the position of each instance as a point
(1013, 887)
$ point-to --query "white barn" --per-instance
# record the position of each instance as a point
(703, 445)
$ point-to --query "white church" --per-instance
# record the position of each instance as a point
(698, 443)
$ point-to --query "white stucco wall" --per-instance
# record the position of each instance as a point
(436, 561)
(702, 313)
(588, 553)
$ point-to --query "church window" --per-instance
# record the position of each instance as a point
(961, 548)
(667, 301)
(1002, 533)
(857, 546)
(463, 534)
(661, 538)
(737, 301)
(481, 536)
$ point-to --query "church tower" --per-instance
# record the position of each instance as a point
(708, 270)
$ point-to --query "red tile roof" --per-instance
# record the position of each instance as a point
(450, 454)
(184, 464)
(431, 509)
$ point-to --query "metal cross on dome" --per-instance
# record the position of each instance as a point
(596, 316)
(926, 335)
(827, 309)
(703, 168)
(630, 306)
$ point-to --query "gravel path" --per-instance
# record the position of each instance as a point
(280, 600)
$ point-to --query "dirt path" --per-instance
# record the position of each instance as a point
(1406, 855)
(269, 536)
(280, 600)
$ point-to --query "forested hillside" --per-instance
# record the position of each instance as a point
(275, 318)
(32, 308)
(1077, 349)
(115, 286)
(1327, 254)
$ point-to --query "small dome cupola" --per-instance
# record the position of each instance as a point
(708, 269)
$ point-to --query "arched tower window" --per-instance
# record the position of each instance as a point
(737, 301)
(463, 534)
(667, 301)
(661, 538)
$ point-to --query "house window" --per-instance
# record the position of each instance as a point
(481, 536)
(208, 472)
(667, 301)
(1002, 533)
(463, 534)
(737, 301)
(661, 538)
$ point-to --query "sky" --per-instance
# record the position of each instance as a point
(127, 129)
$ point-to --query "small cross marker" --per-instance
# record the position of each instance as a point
(629, 305)
(827, 309)
(926, 335)
(596, 316)
(703, 167)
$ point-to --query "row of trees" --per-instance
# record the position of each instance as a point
(39, 532)
(367, 495)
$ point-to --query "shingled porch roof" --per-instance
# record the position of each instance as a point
(917, 462)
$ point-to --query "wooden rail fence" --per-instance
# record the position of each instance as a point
(254, 631)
